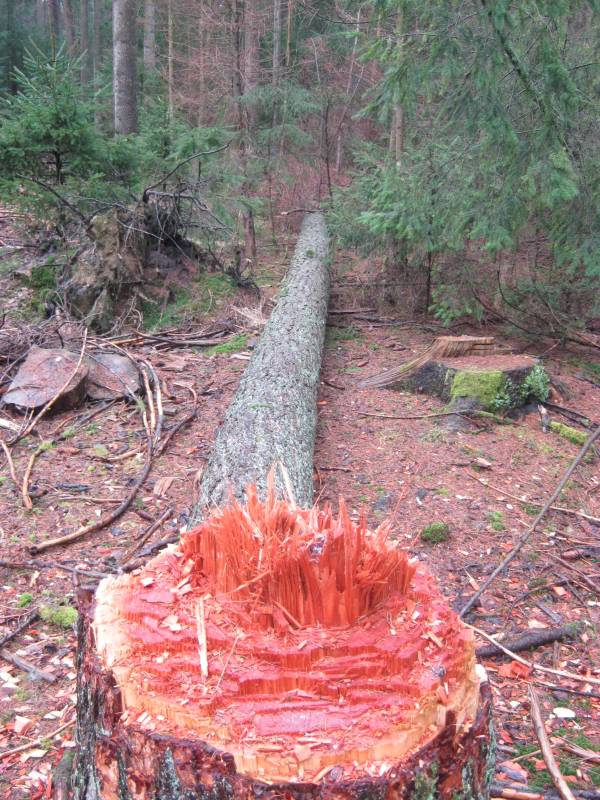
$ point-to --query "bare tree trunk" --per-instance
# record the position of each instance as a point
(149, 35)
(276, 42)
(69, 23)
(170, 75)
(53, 26)
(41, 15)
(96, 52)
(124, 66)
(243, 47)
(10, 58)
(84, 39)
(349, 96)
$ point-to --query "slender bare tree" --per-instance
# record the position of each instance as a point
(150, 35)
(124, 66)
(84, 42)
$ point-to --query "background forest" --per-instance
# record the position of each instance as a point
(455, 143)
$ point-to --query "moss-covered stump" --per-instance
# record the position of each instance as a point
(283, 654)
(494, 383)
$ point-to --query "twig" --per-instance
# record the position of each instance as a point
(525, 537)
(53, 191)
(582, 752)
(201, 633)
(146, 535)
(11, 463)
(9, 425)
(52, 400)
(25, 486)
(120, 510)
(35, 565)
(466, 413)
(582, 514)
(35, 742)
(150, 551)
(582, 576)
(33, 615)
(540, 731)
(532, 665)
(150, 403)
(164, 178)
(85, 530)
(27, 666)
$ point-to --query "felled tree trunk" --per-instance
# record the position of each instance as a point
(276, 651)
(273, 416)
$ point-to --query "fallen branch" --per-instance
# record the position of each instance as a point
(150, 551)
(33, 615)
(573, 676)
(11, 464)
(27, 666)
(85, 530)
(529, 640)
(37, 565)
(582, 514)
(558, 778)
(36, 742)
(525, 537)
(595, 587)
(146, 535)
(582, 752)
(523, 792)
(466, 413)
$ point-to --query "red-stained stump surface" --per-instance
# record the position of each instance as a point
(297, 642)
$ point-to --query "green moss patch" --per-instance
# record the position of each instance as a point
(572, 434)
(59, 616)
(483, 386)
(435, 532)
(232, 346)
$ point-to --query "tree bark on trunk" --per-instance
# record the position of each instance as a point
(53, 27)
(273, 416)
(149, 35)
(124, 66)
(96, 53)
(84, 39)
(69, 25)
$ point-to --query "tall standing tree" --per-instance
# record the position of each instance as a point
(149, 35)
(84, 42)
(125, 66)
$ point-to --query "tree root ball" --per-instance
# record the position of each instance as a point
(278, 652)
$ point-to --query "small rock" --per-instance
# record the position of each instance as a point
(384, 502)
(564, 713)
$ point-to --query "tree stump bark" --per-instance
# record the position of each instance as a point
(278, 652)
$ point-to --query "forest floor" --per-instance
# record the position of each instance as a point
(482, 483)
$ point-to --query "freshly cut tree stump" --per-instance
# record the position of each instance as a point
(279, 653)
(273, 416)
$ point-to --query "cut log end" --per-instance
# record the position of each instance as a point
(277, 650)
